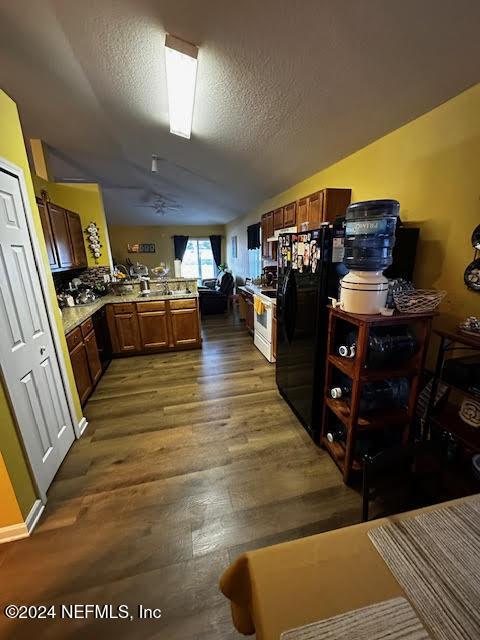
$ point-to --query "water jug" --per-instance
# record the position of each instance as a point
(370, 234)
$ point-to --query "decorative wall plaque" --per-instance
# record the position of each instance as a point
(141, 248)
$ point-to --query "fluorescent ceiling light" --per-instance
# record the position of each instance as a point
(181, 64)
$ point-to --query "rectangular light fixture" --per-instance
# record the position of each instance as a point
(181, 65)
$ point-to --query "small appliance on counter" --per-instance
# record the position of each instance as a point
(145, 286)
(138, 270)
(269, 277)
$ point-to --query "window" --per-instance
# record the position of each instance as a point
(254, 263)
(198, 260)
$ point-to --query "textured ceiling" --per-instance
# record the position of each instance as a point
(284, 89)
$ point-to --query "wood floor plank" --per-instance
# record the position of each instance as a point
(190, 458)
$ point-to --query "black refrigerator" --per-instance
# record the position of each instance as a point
(310, 266)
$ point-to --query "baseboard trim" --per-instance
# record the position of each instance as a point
(34, 515)
(13, 532)
(23, 529)
(82, 425)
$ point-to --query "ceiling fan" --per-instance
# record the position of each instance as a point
(159, 203)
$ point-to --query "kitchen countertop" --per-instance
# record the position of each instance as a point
(258, 291)
(74, 316)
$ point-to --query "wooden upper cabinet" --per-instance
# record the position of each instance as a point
(61, 236)
(290, 215)
(47, 234)
(324, 206)
(278, 219)
(93, 357)
(315, 210)
(302, 212)
(267, 232)
(76, 238)
(153, 329)
(335, 203)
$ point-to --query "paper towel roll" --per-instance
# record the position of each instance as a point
(178, 268)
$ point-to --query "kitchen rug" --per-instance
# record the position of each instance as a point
(393, 620)
(436, 559)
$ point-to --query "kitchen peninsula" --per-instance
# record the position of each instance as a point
(130, 324)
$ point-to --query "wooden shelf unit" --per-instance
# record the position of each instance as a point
(359, 373)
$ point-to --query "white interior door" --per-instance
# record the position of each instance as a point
(28, 358)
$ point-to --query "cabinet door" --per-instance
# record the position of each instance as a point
(61, 236)
(184, 327)
(265, 244)
(102, 337)
(81, 372)
(123, 327)
(302, 212)
(250, 319)
(47, 234)
(278, 219)
(269, 223)
(290, 215)
(76, 237)
(267, 232)
(93, 357)
(153, 330)
(315, 210)
(335, 203)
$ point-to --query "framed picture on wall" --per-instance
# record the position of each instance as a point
(141, 248)
(234, 246)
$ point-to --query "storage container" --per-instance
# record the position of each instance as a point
(370, 234)
(363, 292)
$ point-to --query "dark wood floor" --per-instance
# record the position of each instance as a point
(189, 459)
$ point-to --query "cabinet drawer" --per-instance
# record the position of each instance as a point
(124, 307)
(157, 305)
(74, 338)
(86, 327)
(188, 303)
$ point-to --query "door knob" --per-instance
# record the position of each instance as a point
(42, 350)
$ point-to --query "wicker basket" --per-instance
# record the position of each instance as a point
(418, 300)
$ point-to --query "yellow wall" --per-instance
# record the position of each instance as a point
(432, 166)
(121, 236)
(12, 149)
(87, 201)
(9, 510)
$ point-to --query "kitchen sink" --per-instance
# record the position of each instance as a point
(269, 294)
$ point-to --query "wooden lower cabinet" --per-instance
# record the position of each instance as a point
(185, 329)
(85, 359)
(246, 309)
(154, 326)
(133, 328)
(124, 330)
(250, 316)
(93, 357)
(153, 330)
(81, 372)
